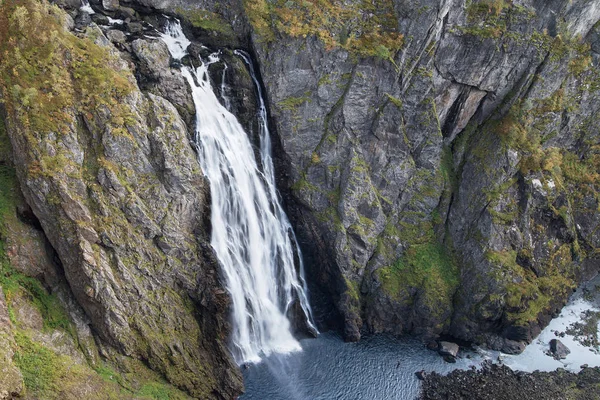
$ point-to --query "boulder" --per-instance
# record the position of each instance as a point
(116, 36)
(110, 5)
(82, 20)
(448, 349)
(558, 350)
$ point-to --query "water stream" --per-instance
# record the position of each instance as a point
(251, 234)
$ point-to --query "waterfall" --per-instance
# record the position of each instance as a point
(85, 6)
(251, 234)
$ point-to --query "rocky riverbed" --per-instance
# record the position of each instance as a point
(499, 382)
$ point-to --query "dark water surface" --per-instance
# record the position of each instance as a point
(376, 368)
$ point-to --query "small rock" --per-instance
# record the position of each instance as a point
(558, 349)
(82, 20)
(512, 347)
(421, 375)
(135, 27)
(100, 19)
(432, 345)
(125, 13)
(584, 366)
(448, 349)
(449, 359)
(110, 5)
(116, 36)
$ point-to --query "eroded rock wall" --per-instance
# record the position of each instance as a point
(112, 179)
(435, 181)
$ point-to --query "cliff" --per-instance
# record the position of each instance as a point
(441, 156)
(114, 186)
(438, 160)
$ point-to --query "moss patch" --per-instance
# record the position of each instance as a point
(364, 28)
(206, 20)
(46, 71)
(427, 266)
(528, 295)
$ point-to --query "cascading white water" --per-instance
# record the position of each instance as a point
(85, 6)
(251, 234)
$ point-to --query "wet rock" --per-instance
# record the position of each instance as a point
(501, 383)
(421, 375)
(116, 36)
(513, 347)
(100, 19)
(448, 349)
(558, 349)
(110, 5)
(449, 359)
(82, 20)
(432, 345)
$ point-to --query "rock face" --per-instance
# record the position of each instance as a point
(109, 172)
(441, 168)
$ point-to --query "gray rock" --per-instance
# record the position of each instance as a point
(386, 159)
(110, 5)
(100, 19)
(558, 349)
(134, 27)
(116, 36)
(448, 349)
(128, 177)
(82, 20)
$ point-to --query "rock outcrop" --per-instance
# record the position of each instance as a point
(112, 178)
(440, 157)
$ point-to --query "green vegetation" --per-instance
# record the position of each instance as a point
(527, 295)
(395, 101)
(45, 72)
(426, 265)
(48, 375)
(490, 19)
(209, 21)
(13, 283)
(292, 103)
(364, 28)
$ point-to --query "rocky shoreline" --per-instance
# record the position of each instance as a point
(499, 382)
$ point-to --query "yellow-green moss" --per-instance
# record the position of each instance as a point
(206, 20)
(426, 266)
(46, 71)
(365, 28)
(528, 295)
